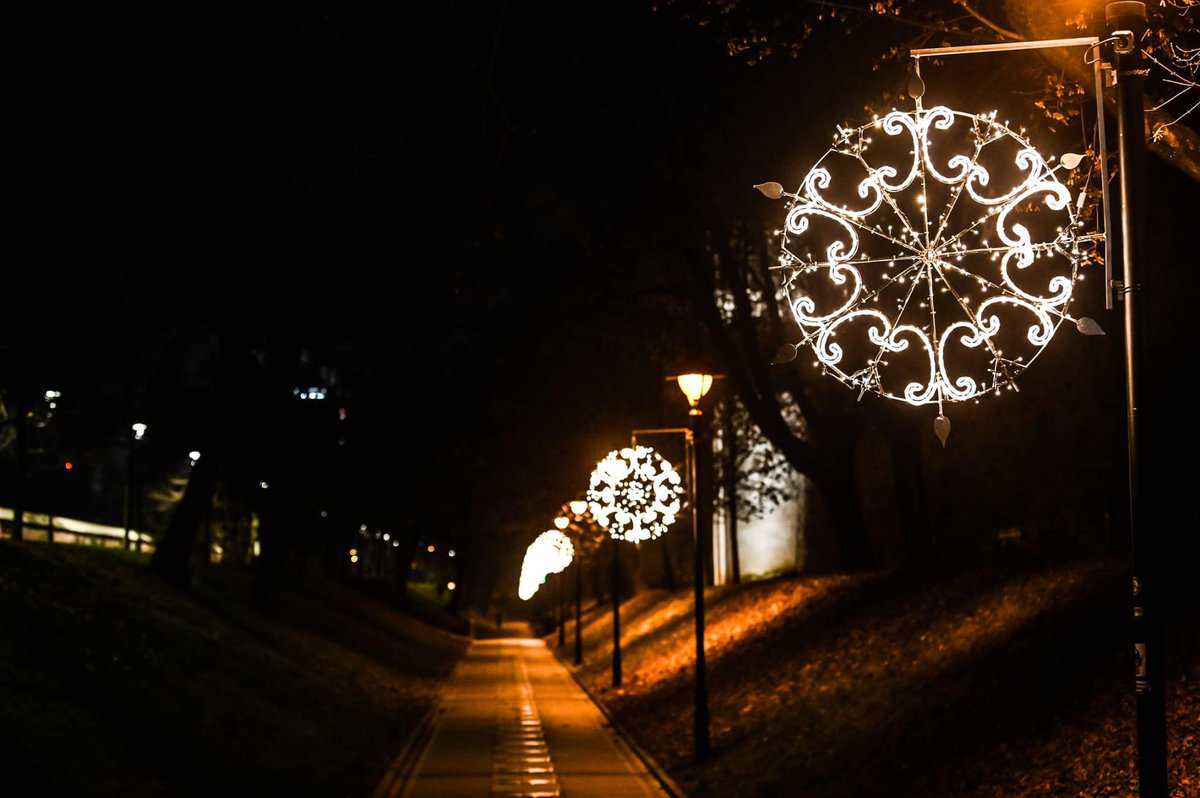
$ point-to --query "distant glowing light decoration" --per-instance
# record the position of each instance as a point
(562, 522)
(635, 494)
(918, 272)
(549, 554)
(193, 456)
(579, 507)
(139, 431)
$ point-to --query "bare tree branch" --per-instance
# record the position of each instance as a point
(1005, 32)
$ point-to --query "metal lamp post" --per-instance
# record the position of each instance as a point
(561, 523)
(1125, 23)
(695, 386)
(137, 431)
(578, 509)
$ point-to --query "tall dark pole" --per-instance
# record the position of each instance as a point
(130, 491)
(700, 731)
(1148, 636)
(731, 483)
(578, 611)
(22, 422)
(562, 620)
(616, 609)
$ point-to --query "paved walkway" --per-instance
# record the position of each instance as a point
(514, 723)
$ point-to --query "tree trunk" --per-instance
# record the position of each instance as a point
(274, 534)
(668, 566)
(173, 555)
(839, 487)
(404, 557)
(731, 492)
(911, 501)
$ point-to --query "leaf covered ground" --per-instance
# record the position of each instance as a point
(1005, 681)
(112, 683)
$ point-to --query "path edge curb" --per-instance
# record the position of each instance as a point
(658, 771)
(400, 771)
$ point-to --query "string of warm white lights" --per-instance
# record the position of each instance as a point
(893, 275)
(549, 554)
(635, 494)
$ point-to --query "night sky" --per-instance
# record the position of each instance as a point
(478, 217)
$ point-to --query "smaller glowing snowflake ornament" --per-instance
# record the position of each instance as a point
(549, 554)
(930, 278)
(635, 494)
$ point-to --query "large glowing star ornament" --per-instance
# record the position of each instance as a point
(635, 494)
(930, 256)
(549, 554)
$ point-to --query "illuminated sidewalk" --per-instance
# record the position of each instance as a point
(514, 723)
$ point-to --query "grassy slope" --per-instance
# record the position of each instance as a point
(112, 683)
(1004, 682)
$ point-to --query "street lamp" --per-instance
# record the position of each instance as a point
(575, 513)
(634, 494)
(560, 523)
(694, 387)
(133, 504)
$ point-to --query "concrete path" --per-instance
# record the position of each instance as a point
(514, 723)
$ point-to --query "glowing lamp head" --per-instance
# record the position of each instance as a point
(579, 507)
(694, 386)
(561, 522)
(194, 456)
(139, 431)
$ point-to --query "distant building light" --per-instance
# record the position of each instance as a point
(353, 552)
(341, 414)
(450, 585)
(53, 395)
(263, 485)
(68, 465)
(257, 548)
(353, 558)
(450, 553)
(139, 431)
(324, 513)
(133, 537)
(395, 544)
(362, 528)
(194, 456)
(431, 548)
(312, 392)
(386, 537)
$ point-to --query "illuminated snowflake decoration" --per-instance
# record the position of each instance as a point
(550, 553)
(928, 278)
(635, 494)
